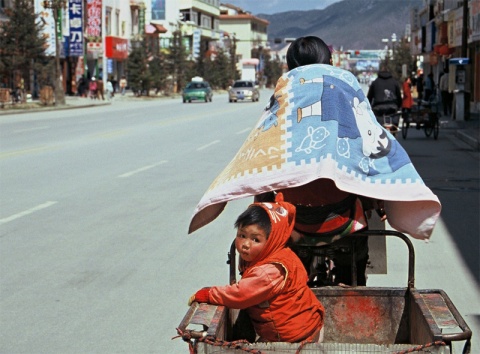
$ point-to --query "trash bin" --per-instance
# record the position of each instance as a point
(4, 96)
(46, 95)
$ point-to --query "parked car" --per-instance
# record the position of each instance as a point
(243, 90)
(196, 90)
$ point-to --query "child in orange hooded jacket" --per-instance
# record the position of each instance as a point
(273, 289)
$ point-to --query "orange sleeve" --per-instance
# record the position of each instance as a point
(262, 283)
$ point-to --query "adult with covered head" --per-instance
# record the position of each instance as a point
(324, 212)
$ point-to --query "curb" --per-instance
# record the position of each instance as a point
(468, 139)
(52, 108)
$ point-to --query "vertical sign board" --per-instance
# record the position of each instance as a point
(48, 29)
(141, 20)
(94, 18)
(474, 34)
(75, 16)
(196, 43)
(94, 27)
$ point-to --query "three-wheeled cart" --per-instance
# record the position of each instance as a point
(359, 319)
(424, 115)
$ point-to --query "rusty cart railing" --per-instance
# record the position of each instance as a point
(359, 319)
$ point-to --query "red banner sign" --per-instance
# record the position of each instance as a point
(116, 48)
(94, 18)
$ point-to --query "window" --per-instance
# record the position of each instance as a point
(117, 23)
(108, 21)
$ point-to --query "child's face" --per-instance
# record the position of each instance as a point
(250, 241)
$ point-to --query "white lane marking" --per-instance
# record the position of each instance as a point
(27, 212)
(111, 134)
(208, 145)
(145, 168)
(244, 131)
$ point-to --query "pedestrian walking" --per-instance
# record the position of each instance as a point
(407, 100)
(123, 85)
(100, 90)
(429, 86)
(447, 96)
(92, 86)
(109, 90)
(420, 86)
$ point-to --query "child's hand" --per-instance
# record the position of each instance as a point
(201, 295)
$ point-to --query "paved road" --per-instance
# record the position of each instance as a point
(94, 255)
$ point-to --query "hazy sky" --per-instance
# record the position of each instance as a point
(275, 6)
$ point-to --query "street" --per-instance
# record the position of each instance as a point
(95, 206)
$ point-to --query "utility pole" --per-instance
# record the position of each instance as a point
(56, 6)
(466, 94)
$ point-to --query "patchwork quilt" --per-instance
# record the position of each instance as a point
(319, 124)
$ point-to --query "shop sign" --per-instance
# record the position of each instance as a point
(474, 34)
(75, 22)
(94, 18)
(94, 49)
(48, 30)
(116, 48)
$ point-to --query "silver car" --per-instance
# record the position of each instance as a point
(243, 90)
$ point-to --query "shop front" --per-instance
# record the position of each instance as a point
(116, 52)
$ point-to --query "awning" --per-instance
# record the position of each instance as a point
(153, 28)
(443, 49)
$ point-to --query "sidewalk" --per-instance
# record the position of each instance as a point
(467, 131)
(35, 106)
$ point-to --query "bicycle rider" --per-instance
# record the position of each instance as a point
(385, 96)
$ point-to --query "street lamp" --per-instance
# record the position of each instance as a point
(393, 40)
(56, 6)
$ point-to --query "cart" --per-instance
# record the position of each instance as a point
(424, 115)
(358, 319)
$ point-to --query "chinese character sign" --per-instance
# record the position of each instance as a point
(48, 28)
(94, 18)
(158, 9)
(75, 12)
(141, 21)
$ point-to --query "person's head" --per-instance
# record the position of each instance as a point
(383, 67)
(308, 50)
(253, 228)
(264, 229)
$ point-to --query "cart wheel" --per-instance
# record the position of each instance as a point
(405, 126)
(436, 128)
(429, 126)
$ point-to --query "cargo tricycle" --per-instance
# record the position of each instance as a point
(424, 115)
(359, 319)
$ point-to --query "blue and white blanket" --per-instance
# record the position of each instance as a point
(319, 124)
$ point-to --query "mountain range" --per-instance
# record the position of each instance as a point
(348, 24)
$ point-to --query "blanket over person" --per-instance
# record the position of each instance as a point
(319, 124)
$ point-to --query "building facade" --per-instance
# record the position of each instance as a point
(447, 29)
(248, 35)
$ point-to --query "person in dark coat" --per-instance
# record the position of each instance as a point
(385, 95)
